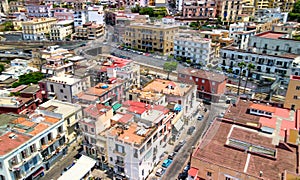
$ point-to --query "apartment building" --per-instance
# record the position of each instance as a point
(266, 15)
(88, 31)
(150, 37)
(62, 30)
(70, 115)
(210, 86)
(229, 11)
(180, 93)
(240, 35)
(96, 14)
(192, 8)
(265, 64)
(289, 27)
(37, 29)
(16, 104)
(256, 147)
(62, 14)
(30, 145)
(193, 47)
(38, 11)
(80, 17)
(292, 96)
(57, 66)
(64, 88)
(274, 43)
(217, 36)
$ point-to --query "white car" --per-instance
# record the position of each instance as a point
(160, 172)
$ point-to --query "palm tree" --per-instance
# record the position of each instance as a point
(241, 65)
(250, 67)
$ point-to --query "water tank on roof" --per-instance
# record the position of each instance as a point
(104, 86)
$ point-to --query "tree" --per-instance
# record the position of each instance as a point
(33, 77)
(295, 13)
(1, 68)
(250, 67)
(169, 67)
(241, 65)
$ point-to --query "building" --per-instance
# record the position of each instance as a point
(250, 131)
(37, 29)
(229, 11)
(150, 37)
(96, 15)
(38, 11)
(292, 96)
(62, 14)
(62, 30)
(88, 31)
(180, 93)
(241, 35)
(289, 27)
(70, 114)
(30, 145)
(210, 86)
(193, 47)
(270, 14)
(17, 104)
(96, 119)
(265, 64)
(64, 88)
(218, 36)
(80, 17)
(204, 9)
(274, 43)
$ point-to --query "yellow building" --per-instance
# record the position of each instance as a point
(229, 11)
(61, 30)
(37, 29)
(88, 31)
(292, 97)
(220, 37)
(151, 37)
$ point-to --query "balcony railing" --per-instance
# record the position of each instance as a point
(120, 163)
(120, 153)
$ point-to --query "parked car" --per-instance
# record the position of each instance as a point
(160, 172)
(187, 168)
(191, 130)
(178, 147)
(166, 163)
(182, 142)
(200, 118)
(182, 176)
(67, 168)
(171, 156)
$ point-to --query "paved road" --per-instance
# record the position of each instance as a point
(184, 154)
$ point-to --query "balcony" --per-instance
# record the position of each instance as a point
(120, 153)
(119, 163)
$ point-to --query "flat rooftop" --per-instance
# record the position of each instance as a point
(245, 151)
(56, 106)
(101, 88)
(63, 80)
(168, 87)
(13, 101)
(271, 35)
(212, 76)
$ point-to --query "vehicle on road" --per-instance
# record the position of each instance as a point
(172, 155)
(221, 114)
(191, 130)
(207, 102)
(182, 142)
(160, 172)
(178, 147)
(166, 163)
(187, 168)
(200, 118)
(67, 168)
(182, 176)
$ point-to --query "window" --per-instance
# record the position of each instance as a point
(227, 178)
(61, 90)
(208, 173)
(120, 148)
(85, 128)
(191, 78)
(203, 81)
(213, 83)
(197, 79)
(295, 97)
(297, 87)
(92, 129)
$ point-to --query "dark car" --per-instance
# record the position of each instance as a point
(207, 102)
(191, 130)
(178, 147)
(200, 118)
(182, 176)
(172, 155)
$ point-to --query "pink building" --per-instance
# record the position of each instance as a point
(203, 8)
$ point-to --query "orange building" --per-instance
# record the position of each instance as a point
(292, 97)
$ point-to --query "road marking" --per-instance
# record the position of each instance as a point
(247, 163)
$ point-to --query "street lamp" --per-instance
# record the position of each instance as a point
(193, 147)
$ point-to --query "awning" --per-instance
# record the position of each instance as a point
(116, 106)
(80, 169)
(178, 125)
(38, 172)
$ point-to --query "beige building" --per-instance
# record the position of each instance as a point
(61, 30)
(88, 31)
(151, 37)
(220, 37)
(292, 97)
(37, 29)
(229, 10)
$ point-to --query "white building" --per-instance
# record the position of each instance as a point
(38, 10)
(64, 88)
(70, 113)
(274, 43)
(61, 30)
(80, 17)
(179, 5)
(267, 15)
(241, 36)
(198, 50)
(96, 14)
(31, 145)
(265, 65)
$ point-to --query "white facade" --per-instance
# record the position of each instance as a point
(197, 49)
(38, 10)
(265, 65)
(179, 5)
(25, 159)
(61, 30)
(241, 38)
(80, 17)
(96, 14)
(65, 88)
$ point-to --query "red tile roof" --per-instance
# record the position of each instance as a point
(263, 107)
(8, 144)
(19, 88)
(126, 118)
(271, 35)
(97, 109)
(193, 172)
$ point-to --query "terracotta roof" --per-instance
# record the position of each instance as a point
(97, 109)
(38, 128)
(126, 118)
(211, 76)
(193, 172)
(263, 107)
(271, 35)
(8, 144)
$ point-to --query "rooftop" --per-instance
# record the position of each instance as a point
(7, 144)
(168, 87)
(97, 110)
(211, 76)
(154, 26)
(63, 80)
(246, 151)
(56, 106)
(31, 89)
(101, 88)
(13, 101)
(271, 35)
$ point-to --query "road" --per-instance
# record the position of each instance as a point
(184, 154)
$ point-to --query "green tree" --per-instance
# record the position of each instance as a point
(1, 68)
(294, 15)
(33, 77)
(147, 11)
(250, 67)
(169, 67)
(241, 66)
(8, 26)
